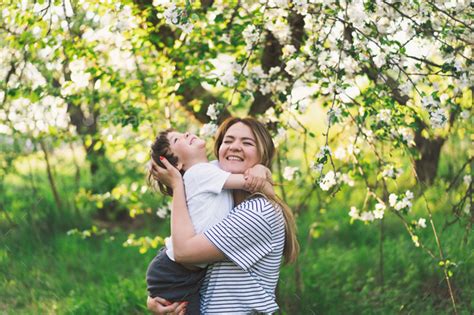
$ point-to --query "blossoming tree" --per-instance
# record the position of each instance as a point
(393, 79)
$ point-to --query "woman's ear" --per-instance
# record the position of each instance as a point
(179, 166)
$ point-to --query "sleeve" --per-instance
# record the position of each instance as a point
(206, 177)
(244, 236)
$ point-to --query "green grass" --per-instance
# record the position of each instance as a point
(45, 271)
(69, 275)
(340, 272)
(62, 274)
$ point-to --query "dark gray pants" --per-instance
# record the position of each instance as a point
(170, 280)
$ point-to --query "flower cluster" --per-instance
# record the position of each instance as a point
(402, 202)
(38, 117)
(250, 35)
(178, 17)
(328, 181)
(437, 114)
(289, 172)
(208, 130)
(368, 216)
(213, 111)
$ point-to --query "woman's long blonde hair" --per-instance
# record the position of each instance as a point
(266, 150)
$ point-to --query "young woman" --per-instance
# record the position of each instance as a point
(247, 246)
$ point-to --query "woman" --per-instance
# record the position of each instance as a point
(247, 246)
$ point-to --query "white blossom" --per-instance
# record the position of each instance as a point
(328, 181)
(212, 111)
(250, 36)
(288, 50)
(403, 202)
(407, 135)
(280, 136)
(388, 172)
(316, 167)
(467, 180)
(467, 207)
(354, 213)
(379, 211)
(334, 113)
(352, 149)
(295, 67)
(438, 118)
(421, 223)
(385, 115)
(289, 172)
(280, 29)
(162, 212)
(345, 178)
(323, 151)
(176, 16)
(208, 130)
(465, 114)
(367, 216)
(340, 153)
(392, 199)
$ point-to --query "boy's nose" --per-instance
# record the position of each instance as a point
(186, 134)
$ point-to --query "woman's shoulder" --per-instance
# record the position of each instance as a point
(258, 203)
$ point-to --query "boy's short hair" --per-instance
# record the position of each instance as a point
(161, 147)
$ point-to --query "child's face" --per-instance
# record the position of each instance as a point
(188, 148)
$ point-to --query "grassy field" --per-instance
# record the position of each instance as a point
(62, 274)
(43, 270)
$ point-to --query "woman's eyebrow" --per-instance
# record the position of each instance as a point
(246, 138)
(230, 137)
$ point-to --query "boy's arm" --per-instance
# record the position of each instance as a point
(235, 181)
(256, 179)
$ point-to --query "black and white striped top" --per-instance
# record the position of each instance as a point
(252, 237)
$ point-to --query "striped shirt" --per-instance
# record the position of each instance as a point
(252, 237)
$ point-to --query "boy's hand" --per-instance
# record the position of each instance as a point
(258, 184)
(170, 176)
(259, 171)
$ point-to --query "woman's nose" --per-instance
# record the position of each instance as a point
(186, 134)
(234, 146)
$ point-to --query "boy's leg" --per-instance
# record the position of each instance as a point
(171, 281)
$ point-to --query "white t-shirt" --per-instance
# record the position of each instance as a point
(208, 203)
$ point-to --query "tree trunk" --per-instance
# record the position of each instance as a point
(427, 165)
(52, 183)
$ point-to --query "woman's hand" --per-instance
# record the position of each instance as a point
(159, 306)
(170, 176)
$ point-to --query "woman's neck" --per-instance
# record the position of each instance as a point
(239, 196)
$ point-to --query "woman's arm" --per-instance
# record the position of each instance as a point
(187, 246)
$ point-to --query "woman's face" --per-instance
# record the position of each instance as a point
(238, 151)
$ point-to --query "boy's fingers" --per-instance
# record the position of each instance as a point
(259, 184)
